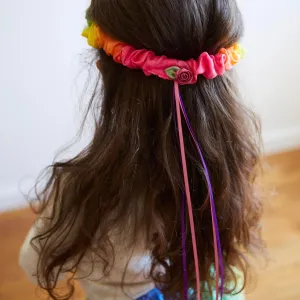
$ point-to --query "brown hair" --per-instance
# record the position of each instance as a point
(131, 169)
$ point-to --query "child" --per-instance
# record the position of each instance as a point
(161, 204)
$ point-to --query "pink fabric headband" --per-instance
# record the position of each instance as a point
(183, 72)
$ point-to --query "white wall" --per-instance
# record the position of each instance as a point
(270, 73)
(39, 62)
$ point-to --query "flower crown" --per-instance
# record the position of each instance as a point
(183, 72)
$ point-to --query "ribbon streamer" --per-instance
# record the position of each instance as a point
(217, 241)
(187, 189)
(219, 269)
(184, 261)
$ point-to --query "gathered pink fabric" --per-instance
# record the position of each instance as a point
(209, 66)
(183, 72)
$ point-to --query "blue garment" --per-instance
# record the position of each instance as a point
(157, 295)
(152, 295)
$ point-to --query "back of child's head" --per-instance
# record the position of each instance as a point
(130, 176)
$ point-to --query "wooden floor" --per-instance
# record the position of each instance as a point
(279, 281)
(281, 221)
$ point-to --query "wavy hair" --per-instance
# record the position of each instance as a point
(131, 168)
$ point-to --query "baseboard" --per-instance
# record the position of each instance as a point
(276, 141)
